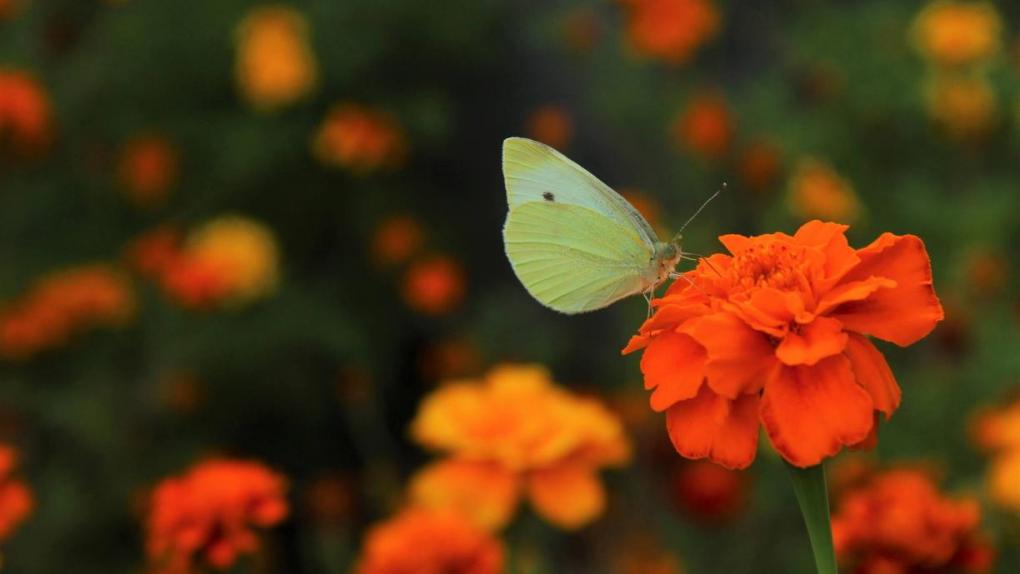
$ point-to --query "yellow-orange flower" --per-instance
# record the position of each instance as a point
(26, 119)
(998, 431)
(952, 33)
(705, 126)
(230, 260)
(360, 139)
(900, 522)
(208, 516)
(818, 192)
(62, 304)
(671, 30)
(434, 285)
(396, 240)
(551, 125)
(515, 434)
(963, 105)
(275, 65)
(776, 334)
(16, 501)
(147, 170)
(418, 541)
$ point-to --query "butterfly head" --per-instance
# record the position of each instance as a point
(667, 255)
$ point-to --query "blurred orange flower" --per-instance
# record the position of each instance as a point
(26, 118)
(16, 501)
(275, 65)
(759, 165)
(434, 285)
(642, 554)
(551, 125)
(671, 30)
(709, 492)
(998, 431)
(953, 33)
(776, 333)
(153, 252)
(985, 270)
(963, 105)
(900, 522)
(647, 206)
(705, 126)
(62, 304)
(208, 515)
(515, 434)
(360, 139)
(818, 192)
(147, 170)
(396, 239)
(418, 541)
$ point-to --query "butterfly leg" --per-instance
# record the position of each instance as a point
(648, 299)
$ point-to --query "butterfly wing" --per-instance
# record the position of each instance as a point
(536, 172)
(573, 259)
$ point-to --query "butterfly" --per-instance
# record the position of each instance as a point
(575, 244)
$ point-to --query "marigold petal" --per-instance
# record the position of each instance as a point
(484, 492)
(874, 374)
(711, 426)
(820, 338)
(739, 357)
(852, 291)
(735, 243)
(673, 365)
(903, 314)
(830, 239)
(811, 412)
(568, 495)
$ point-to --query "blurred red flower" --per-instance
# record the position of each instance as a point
(760, 165)
(671, 30)
(147, 170)
(709, 492)
(776, 334)
(551, 125)
(434, 285)
(898, 522)
(420, 541)
(16, 501)
(360, 139)
(26, 119)
(208, 516)
(396, 239)
(705, 126)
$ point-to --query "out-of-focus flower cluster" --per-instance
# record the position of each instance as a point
(16, 500)
(998, 431)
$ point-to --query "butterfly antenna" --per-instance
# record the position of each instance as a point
(703, 205)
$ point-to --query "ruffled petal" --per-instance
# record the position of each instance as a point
(874, 374)
(711, 426)
(830, 239)
(811, 412)
(485, 493)
(820, 338)
(852, 291)
(735, 243)
(673, 365)
(738, 356)
(568, 495)
(902, 314)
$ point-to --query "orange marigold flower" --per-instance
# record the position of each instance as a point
(207, 516)
(551, 125)
(998, 430)
(147, 170)
(900, 522)
(16, 501)
(397, 239)
(418, 541)
(26, 119)
(360, 139)
(963, 105)
(671, 30)
(62, 304)
(954, 33)
(709, 492)
(705, 126)
(511, 434)
(776, 333)
(817, 191)
(434, 286)
(275, 65)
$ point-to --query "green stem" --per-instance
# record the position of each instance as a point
(809, 485)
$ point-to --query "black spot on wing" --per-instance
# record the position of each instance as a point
(548, 196)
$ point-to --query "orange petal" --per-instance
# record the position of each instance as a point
(905, 313)
(568, 495)
(711, 426)
(852, 291)
(485, 493)
(830, 239)
(739, 357)
(820, 338)
(809, 413)
(673, 365)
(735, 243)
(874, 374)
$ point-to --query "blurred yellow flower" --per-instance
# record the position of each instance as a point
(818, 192)
(240, 252)
(513, 434)
(964, 105)
(953, 33)
(359, 138)
(997, 430)
(1004, 480)
(275, 65)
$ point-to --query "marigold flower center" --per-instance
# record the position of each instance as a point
(775, 265)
